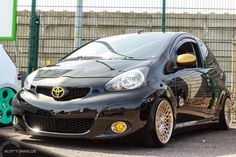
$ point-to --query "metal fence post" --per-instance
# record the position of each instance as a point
(163, 16)
(78, 24)
(34, 39)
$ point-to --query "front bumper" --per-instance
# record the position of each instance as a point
(103, 109)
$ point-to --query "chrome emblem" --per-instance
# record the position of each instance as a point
(58, 92)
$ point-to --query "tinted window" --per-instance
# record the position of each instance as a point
(209, 58)
(204, 49)
(211, 61)
(144, 45)
(190, 48)
(185, 48)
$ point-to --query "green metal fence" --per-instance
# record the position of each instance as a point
(62, 26)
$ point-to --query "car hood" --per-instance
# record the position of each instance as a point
(90, 68)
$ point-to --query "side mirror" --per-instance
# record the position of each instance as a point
(186, 60)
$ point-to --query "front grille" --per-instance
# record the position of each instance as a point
(32, 89)
(70, 92)
(44, 90)
(59, 125)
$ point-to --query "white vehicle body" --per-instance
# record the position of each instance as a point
(8, 71)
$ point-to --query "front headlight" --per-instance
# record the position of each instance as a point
(132, 79)
(29, 80)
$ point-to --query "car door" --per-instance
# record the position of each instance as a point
(193, 85)
(216, 75)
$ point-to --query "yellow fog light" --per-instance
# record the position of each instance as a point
(118, 127)
(15, 120)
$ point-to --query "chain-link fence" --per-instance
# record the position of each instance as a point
(214, 21)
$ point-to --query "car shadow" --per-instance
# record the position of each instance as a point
(207, 142)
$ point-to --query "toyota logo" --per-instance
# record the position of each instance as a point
(58, 92)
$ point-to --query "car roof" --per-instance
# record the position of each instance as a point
(143, 34)
(167, 33)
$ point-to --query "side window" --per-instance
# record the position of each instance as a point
(209, 59)
(203, 48)
(204, 51)
(185, 48)
(190, 48)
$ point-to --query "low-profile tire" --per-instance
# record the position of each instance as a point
(226, 115)
(160, 124)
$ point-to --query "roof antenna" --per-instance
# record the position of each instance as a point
(140, 31)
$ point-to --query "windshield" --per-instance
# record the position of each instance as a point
(144, 45)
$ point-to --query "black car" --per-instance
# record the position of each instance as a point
(112, 87)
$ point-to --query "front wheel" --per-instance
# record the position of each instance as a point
(160, 125)
(6, 96)
(226, 115)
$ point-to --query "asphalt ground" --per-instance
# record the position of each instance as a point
(202, 143)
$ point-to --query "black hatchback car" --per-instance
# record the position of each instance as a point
(112, 87)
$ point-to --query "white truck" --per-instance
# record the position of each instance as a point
(10, 83)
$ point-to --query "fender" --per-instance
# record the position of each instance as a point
(14, 88)
(164, 92)
(219, 105)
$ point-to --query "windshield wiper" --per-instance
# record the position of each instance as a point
(98, 61)
(112, 50)
(81, 58)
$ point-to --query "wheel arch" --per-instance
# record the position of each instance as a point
(165, 93)
(223, 95)
(9, 86)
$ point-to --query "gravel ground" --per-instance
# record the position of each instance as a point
(207, 142)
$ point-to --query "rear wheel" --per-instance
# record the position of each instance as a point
(226, 115)
(160, 125)
(6, 96)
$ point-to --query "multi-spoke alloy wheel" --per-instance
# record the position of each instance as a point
(160, 124)
(228, 112)
(226, 115)
(6, 95)
(164, 121)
